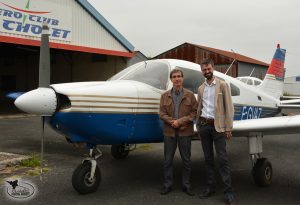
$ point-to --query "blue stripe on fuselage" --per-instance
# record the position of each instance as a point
(106, 128)
(110, 128)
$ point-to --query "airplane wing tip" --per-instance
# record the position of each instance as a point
(13, 95)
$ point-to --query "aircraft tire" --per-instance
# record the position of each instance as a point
(262, 172)
(119, 152)
(80, 180)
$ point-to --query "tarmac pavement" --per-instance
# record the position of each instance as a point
(138, 179)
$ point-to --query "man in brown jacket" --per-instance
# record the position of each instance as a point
(214, 122)
(178, 108)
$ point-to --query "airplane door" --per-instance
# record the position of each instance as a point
(150, 80)
(147, 124)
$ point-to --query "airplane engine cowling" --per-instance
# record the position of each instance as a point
(41, 101)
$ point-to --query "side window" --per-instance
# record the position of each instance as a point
(256, 82)
(192, 79)
(235, 91)
(244, 80)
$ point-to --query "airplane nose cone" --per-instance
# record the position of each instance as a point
(41, 101)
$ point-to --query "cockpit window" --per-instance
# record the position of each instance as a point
(256, 82)
(125, 71)
(192, 79)
(235, 91)
(152, 73)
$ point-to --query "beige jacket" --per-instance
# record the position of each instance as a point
(187, 113)
(224, 109)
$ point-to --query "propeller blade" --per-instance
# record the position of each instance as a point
(44, 67)
(42, 147)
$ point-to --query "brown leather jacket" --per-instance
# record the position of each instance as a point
(187, 113)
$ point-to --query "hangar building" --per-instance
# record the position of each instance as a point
(84, 45)
(292, 85)
(242, 66)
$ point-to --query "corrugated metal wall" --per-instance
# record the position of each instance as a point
(86, 31)
(292, 85)
(194, 54)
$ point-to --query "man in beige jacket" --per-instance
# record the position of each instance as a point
(178, 108)
(214, 122)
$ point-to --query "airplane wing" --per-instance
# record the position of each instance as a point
(295, 103)
(290, 97)
(14, 95)
(267, 126)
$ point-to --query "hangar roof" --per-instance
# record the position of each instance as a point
(74, 25)
(228, 54)
(232, 55)
(100, 19)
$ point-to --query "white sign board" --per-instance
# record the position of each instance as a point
(25, 17)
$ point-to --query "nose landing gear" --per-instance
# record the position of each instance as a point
(87, 176)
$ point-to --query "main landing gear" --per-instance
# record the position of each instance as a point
(121, 151)
(261, 167)
(87, 176)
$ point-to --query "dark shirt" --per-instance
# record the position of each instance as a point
(177, 97)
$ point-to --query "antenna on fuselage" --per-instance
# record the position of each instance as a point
(232, 62)
(250, 74)
(145, 64)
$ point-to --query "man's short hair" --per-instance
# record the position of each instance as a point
(176, 70)
(207, 61)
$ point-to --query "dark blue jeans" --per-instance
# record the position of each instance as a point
(209, 137)
(184, 145)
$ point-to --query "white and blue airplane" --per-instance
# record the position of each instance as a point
(124, 110)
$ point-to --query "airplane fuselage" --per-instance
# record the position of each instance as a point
(126, 111)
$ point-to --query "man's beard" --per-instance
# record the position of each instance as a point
(209, 76)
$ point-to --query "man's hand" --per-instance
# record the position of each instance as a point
(175, 124)
(228, 134)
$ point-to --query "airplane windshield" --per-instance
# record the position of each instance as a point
(152, 73)
(125, 71)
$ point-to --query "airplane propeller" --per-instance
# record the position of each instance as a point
(44, 79)
(43, 100)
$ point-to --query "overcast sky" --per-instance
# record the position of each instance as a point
(252, 28)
